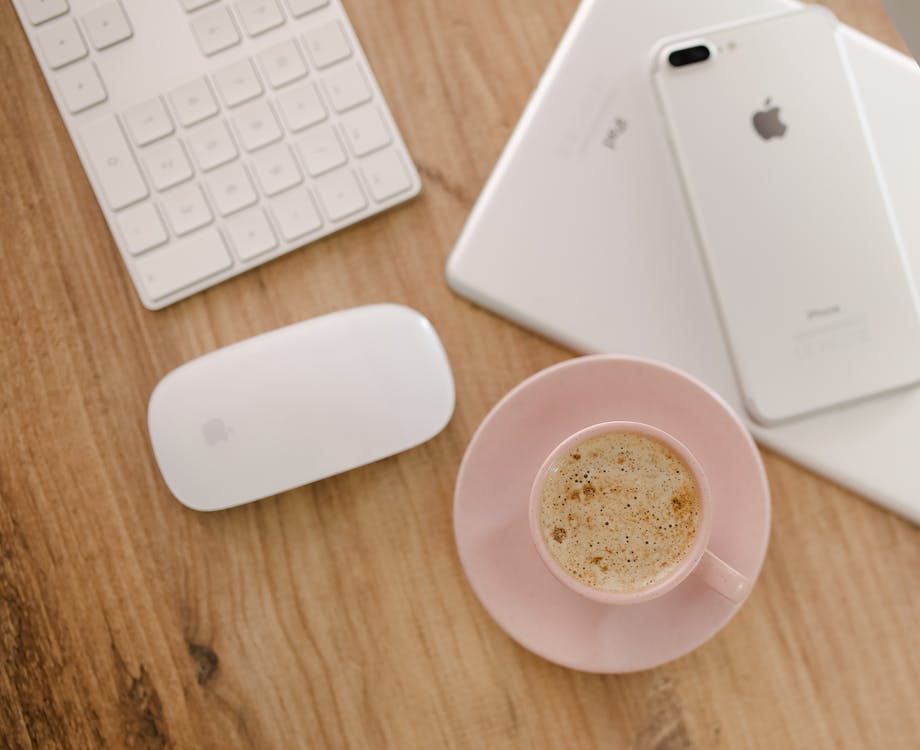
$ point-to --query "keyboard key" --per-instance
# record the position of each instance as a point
(61, 43)
(340, 194)
(215, 30)
(345, 86)
(282, 64)
(276, 169)
(193, 102)
(182, 263)
(259, 16)
(251, 234)
(237, 83)
(385, 174)
(81, 86)
(365, 130)
(327, 44)
(211, 145)
(112, 163)
(320, 149)
(148, 121)
(231, 189)
(295, 213)
(142, 228)
(186, 209)
(299, 8)
(256, 125)
(301, 107)
(167, 164)
(106, 25)
(191, 5)
(40, 11)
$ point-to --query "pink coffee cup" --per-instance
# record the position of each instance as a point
(700, 561)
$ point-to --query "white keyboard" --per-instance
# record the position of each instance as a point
(219, 134)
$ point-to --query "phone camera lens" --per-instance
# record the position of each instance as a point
(688, 56)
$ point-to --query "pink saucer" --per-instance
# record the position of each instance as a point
(491, 498)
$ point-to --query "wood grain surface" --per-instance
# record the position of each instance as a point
(337, 615)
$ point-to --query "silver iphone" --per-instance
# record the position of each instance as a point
(791, 212)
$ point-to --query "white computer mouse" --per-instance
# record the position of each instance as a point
(299, 404)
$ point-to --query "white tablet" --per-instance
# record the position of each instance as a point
(582, 232)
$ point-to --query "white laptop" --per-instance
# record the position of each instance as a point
(586, 191)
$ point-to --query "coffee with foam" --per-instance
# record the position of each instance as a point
(620, 512)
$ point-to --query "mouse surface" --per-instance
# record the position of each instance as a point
(298, 404)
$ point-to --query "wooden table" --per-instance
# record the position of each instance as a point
(338, 614)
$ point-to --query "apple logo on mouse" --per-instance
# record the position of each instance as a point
(215, 430)
(767, 123)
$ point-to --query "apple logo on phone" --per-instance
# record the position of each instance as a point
(767, 123)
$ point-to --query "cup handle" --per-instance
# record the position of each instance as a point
(722, 577)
